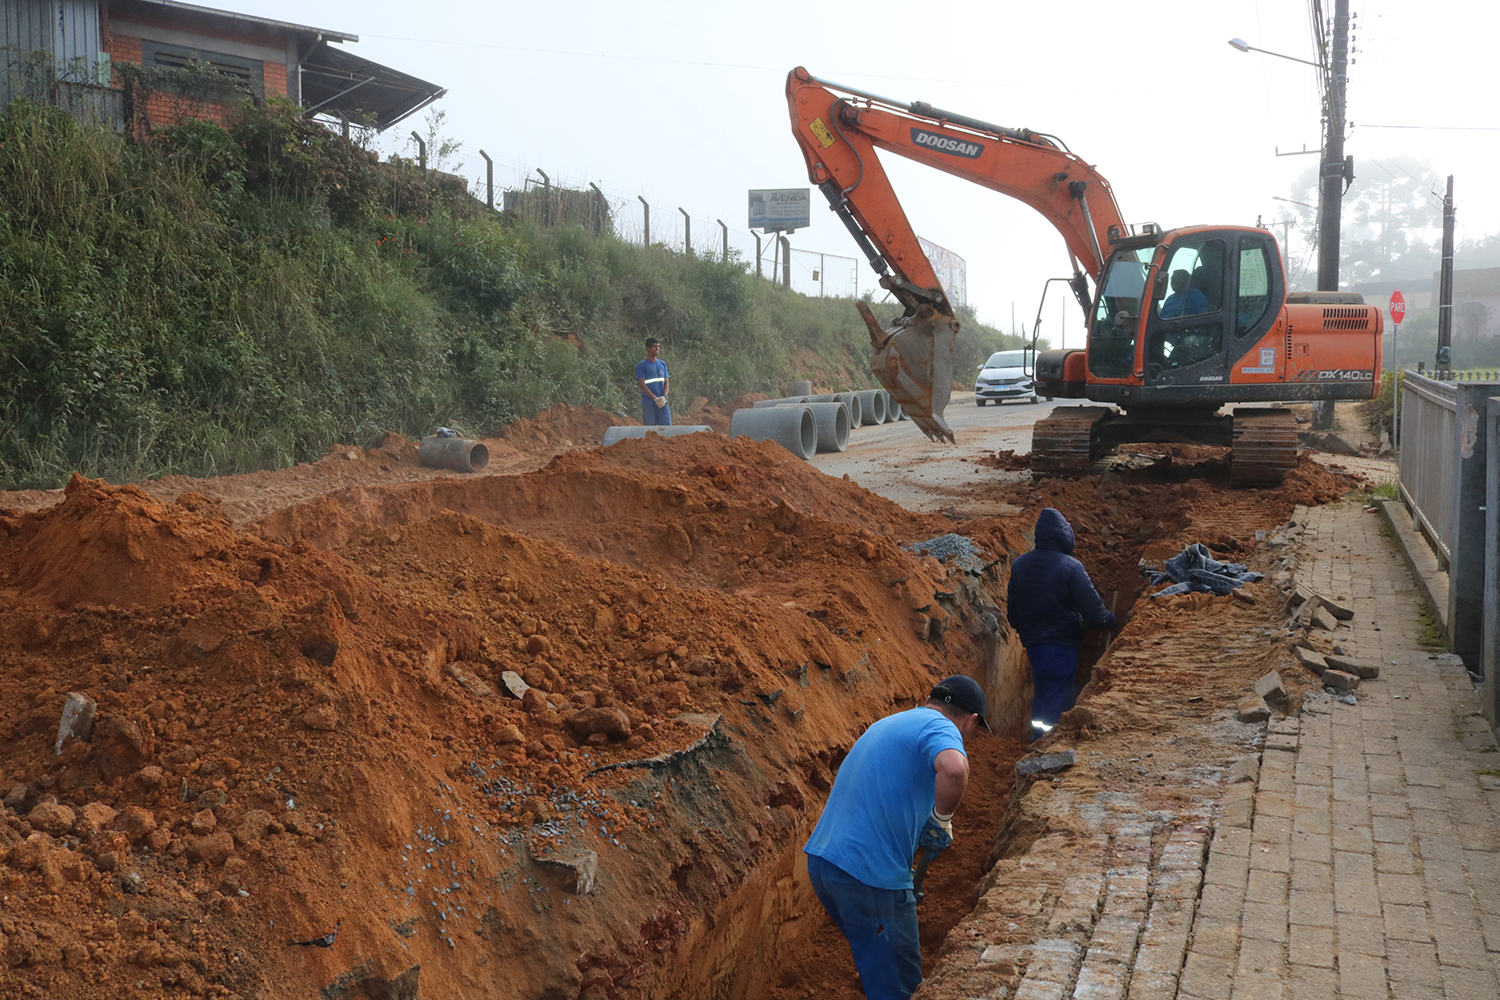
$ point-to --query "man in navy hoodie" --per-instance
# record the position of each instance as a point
(1049, 600)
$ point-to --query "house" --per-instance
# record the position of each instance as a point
(69, 53)
(1476, 303)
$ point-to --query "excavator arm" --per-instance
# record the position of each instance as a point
(839, 134)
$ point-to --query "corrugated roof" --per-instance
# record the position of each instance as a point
(337, 82)
(302, 29)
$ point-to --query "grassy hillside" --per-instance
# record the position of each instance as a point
(224, 300)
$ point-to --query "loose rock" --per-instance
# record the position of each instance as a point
(51, 818)
(1253, 708)
(1046, 762)
(1269, 687)
(1363, 669)
(1311, 659)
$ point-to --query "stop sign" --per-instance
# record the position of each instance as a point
(1398, 308)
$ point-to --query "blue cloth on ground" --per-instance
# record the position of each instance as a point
(1195, 570)
(880, 926)
(1050, 596)
(883, 794)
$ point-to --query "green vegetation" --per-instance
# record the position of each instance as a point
(1433, 635)
(225, 299)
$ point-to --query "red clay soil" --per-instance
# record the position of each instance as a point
(304, 727)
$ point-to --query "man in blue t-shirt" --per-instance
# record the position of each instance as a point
(651, 376)
(896, 791)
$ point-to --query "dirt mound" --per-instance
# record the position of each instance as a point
(312, 725)
(561, 428)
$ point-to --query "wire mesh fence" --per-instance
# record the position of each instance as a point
(548, 200)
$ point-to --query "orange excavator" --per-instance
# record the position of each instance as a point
(1181, 322)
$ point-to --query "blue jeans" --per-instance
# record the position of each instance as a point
(652, 416)
(1052, 670)
(880, 925)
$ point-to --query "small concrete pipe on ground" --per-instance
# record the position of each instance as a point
(833, 425)
(871, 407)
(458, 454)
(792, 426)
(890, 402)
(763, 403)
(613, 434)
(799, 388)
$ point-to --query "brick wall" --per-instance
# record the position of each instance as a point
(163, 109)
(275, 78)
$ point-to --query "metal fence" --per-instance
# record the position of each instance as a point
(1490, 639)
(79, 88)
(1429, 420)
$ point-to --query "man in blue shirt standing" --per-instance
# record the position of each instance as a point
(651, 376)
(896, 791)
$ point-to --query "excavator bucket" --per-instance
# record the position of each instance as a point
(913, 359)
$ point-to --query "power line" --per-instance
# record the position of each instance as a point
(1436, 128)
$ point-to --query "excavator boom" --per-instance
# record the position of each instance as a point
(839, 130)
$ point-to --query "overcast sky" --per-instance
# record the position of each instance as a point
(682, 103)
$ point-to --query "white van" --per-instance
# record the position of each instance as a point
(1004, 377)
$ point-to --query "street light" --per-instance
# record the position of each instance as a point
(1244, 46)
(1277, 197)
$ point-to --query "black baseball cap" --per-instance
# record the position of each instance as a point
(964, 694)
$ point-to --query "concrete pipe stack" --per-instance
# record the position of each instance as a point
(783, 401)
(833, 423)
(793, 427)
(849, 399)
(614, 434)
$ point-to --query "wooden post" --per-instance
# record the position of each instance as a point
(648, 219)
(687, 230)
(726, 239)
(598, 210)
(489, 180)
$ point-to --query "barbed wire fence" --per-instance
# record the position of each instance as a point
(549, 199)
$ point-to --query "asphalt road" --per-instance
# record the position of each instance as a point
(899, 463)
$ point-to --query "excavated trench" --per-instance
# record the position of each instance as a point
(559, 734)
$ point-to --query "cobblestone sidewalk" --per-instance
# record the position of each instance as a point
(1358, 857)
(1372, 866)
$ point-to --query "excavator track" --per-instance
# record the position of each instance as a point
(1264, 447)
(1062, 443)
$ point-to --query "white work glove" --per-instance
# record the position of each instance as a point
(937, 833)
(661, 401)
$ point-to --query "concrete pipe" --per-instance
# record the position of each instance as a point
(872, 407)
(833, 425)
(613, 434)
(891, 403)
(799, 389)
(458, 454)
(762, 404)
(855, 405)
(792, 427)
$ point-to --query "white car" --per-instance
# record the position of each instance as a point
(1004, 377)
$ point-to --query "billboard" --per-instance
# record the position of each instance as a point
(951, 270)
(780, 209)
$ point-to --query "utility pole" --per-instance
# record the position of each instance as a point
(1444, 365)
(786, 263)
(1335, 175)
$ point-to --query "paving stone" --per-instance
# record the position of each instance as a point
(1314, 908)
(1397, 858)
(1100, 981)
(1361, 975)
(1311, 659)
(1312, 876)
(1265, 921)
(1400, 889)
(1113, 940)
(1310, 945)
(1266, 887)
(1359, 933)
(1260, 958)
(1204, 977)
(1412, 962)
(1215, 937)
(1305, 982)
(1406, 923)
(1148, 984)
(1252, 709)
(1461, 983)
(1357, 839)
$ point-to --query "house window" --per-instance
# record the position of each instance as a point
(249, 74)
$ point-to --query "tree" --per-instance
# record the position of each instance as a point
(1391, 221)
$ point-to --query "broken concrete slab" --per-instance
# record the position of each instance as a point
(580, 870)
(1311, 659)
(514, 685)
(1363, 669)
(1339, 680)
(468, 681)
(1046, 762)
(1253, 708)
(1269, 687)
